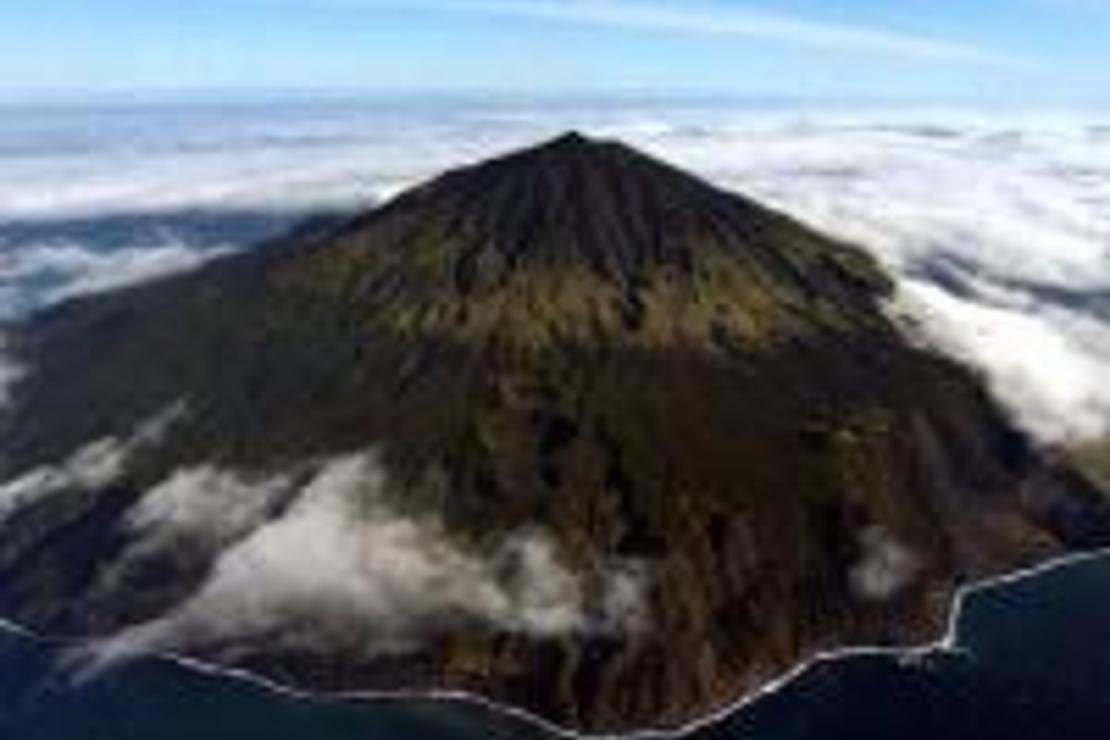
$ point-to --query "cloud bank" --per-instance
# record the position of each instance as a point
(339, 568)
(66, 270)
(999, 226)
(1046, 363)
(92, 467)
(1000, 232)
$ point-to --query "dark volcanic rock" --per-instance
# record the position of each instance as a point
(578, 339)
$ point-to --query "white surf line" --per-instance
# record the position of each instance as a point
(7, 625)
(945, 644)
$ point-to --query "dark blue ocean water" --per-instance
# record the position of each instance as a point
(1030, 660)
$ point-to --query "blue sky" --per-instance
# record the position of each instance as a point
(932, 50)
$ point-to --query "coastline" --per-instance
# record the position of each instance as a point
(946, 643)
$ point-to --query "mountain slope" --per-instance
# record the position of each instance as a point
(626, 447)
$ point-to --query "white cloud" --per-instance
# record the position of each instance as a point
(341, 569)
(93, 466)
(886, 566)
(70, 269)
(206, 502)
(1048, 365)
(999, 228)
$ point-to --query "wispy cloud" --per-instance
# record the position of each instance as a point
(63, 271)
(705, 20)
(340, 569)
(94, 466)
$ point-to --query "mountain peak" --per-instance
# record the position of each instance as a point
(576, 149)
(580, 234)
(574, 166)
(598, 204)
(572, 140)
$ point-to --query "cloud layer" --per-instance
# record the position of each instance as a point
(998, 225)
(340, 566)
(94, 466)
(1000, 232)
(321, 559)
(65, 270)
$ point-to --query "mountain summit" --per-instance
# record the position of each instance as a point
(592, 241)
(576, 202)
(570, 429)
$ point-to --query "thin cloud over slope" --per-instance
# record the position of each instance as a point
(331, 562)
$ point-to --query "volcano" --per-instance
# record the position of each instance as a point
(570, 429)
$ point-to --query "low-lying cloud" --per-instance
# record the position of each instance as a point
(66, 270)
(92, 467)
(885, 566)
(1000, 231)
(1047, 363)
(342, 569)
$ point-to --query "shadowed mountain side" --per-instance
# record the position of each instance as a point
(578, 339)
